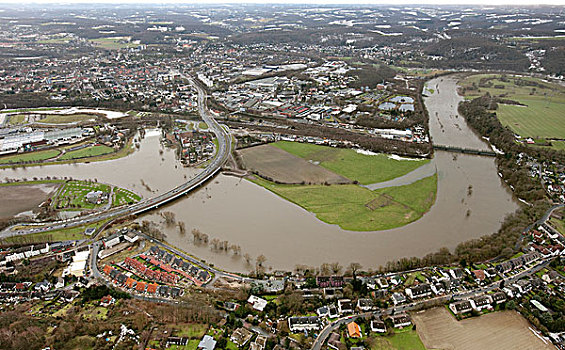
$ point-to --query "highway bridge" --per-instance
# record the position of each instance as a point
(456, 149)
(222, 154)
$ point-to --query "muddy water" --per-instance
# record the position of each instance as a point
(158, 171)
(260, 222)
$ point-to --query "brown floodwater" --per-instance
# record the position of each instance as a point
(260, 222)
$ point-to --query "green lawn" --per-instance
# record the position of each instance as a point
(30, 156)
(73, 195)
(356, 208)
(544, 113)
(202, 126)
(122, 196)
(403, 340)
(16, 119)
(350, 164)
(87, 152)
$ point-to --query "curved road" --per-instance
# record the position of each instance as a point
(222, 154)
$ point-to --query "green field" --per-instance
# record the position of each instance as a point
(366, 169)
(403, 340)
(30, 156)
(73, 195)
(122, 196)
(356, 208)
(87, 152)
(66, 118)
(202, 126)
(543, 115)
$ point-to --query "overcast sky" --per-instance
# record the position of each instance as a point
(376, 2)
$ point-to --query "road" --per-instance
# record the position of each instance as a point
(327, 330)
(222, 155)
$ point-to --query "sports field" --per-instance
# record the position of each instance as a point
(356, 208)
(366, 169)
(65, 118)
(29, 157)
(542, 114)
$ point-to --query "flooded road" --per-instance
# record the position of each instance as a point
(471, 202)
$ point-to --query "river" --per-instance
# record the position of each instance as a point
(260, 222)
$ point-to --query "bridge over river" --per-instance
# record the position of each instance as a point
(455, 149)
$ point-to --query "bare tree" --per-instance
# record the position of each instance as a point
(182, 227)
(325, 269)
(169, 218)
(260, 260)
(336, 268)
(215, 243)
(236, 249)
(354, 267)
(247, 258)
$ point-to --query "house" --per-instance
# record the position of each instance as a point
(524, 286)
(364, 304)
(107, 301)
(334, 341)
(333, 312)
(353, 330)
(398, 298)
(401, 320)
(481, 302)
(498, 297)
(228, 305)
(178, 341)
(42, 286)
(323, 311)
(152, 288)
(419, 291)
(207, 343)
(461, 307)
(257, 303)
(479, 275)
(304, 323)
(259, 343)
(241, 336)
(344, 306)
(60, 283)
(456, 274)
(130, 283)
(140, 287)
(378, 326)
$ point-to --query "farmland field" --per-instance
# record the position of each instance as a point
(498, 330)
(356, 208)
(542, 113)
(281, 166)
(17, 198)
(366, 169)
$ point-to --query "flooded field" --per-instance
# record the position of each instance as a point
(438, 329)
(22, 198)
(260, 222)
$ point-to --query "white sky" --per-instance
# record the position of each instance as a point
(346, 2)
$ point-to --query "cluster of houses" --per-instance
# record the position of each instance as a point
(195, 146)
(197, 275)
(141, 287)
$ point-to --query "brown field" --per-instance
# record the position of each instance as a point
(281, 166)
(438, 329)
(19, 198)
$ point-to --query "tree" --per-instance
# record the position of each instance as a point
(247, 258)
(336, 268)
(182, 227)
(354, 267)
(169, 218)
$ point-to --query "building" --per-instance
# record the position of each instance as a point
(353, 330)
(344, 306)
(401, 320)
(257, 303)
(419, 291)
(304, 323)
(378, 326)
(241, 336)
(481, 302)
(207, 343)
(461, 307)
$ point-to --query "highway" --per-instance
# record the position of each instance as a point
(222, 154)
